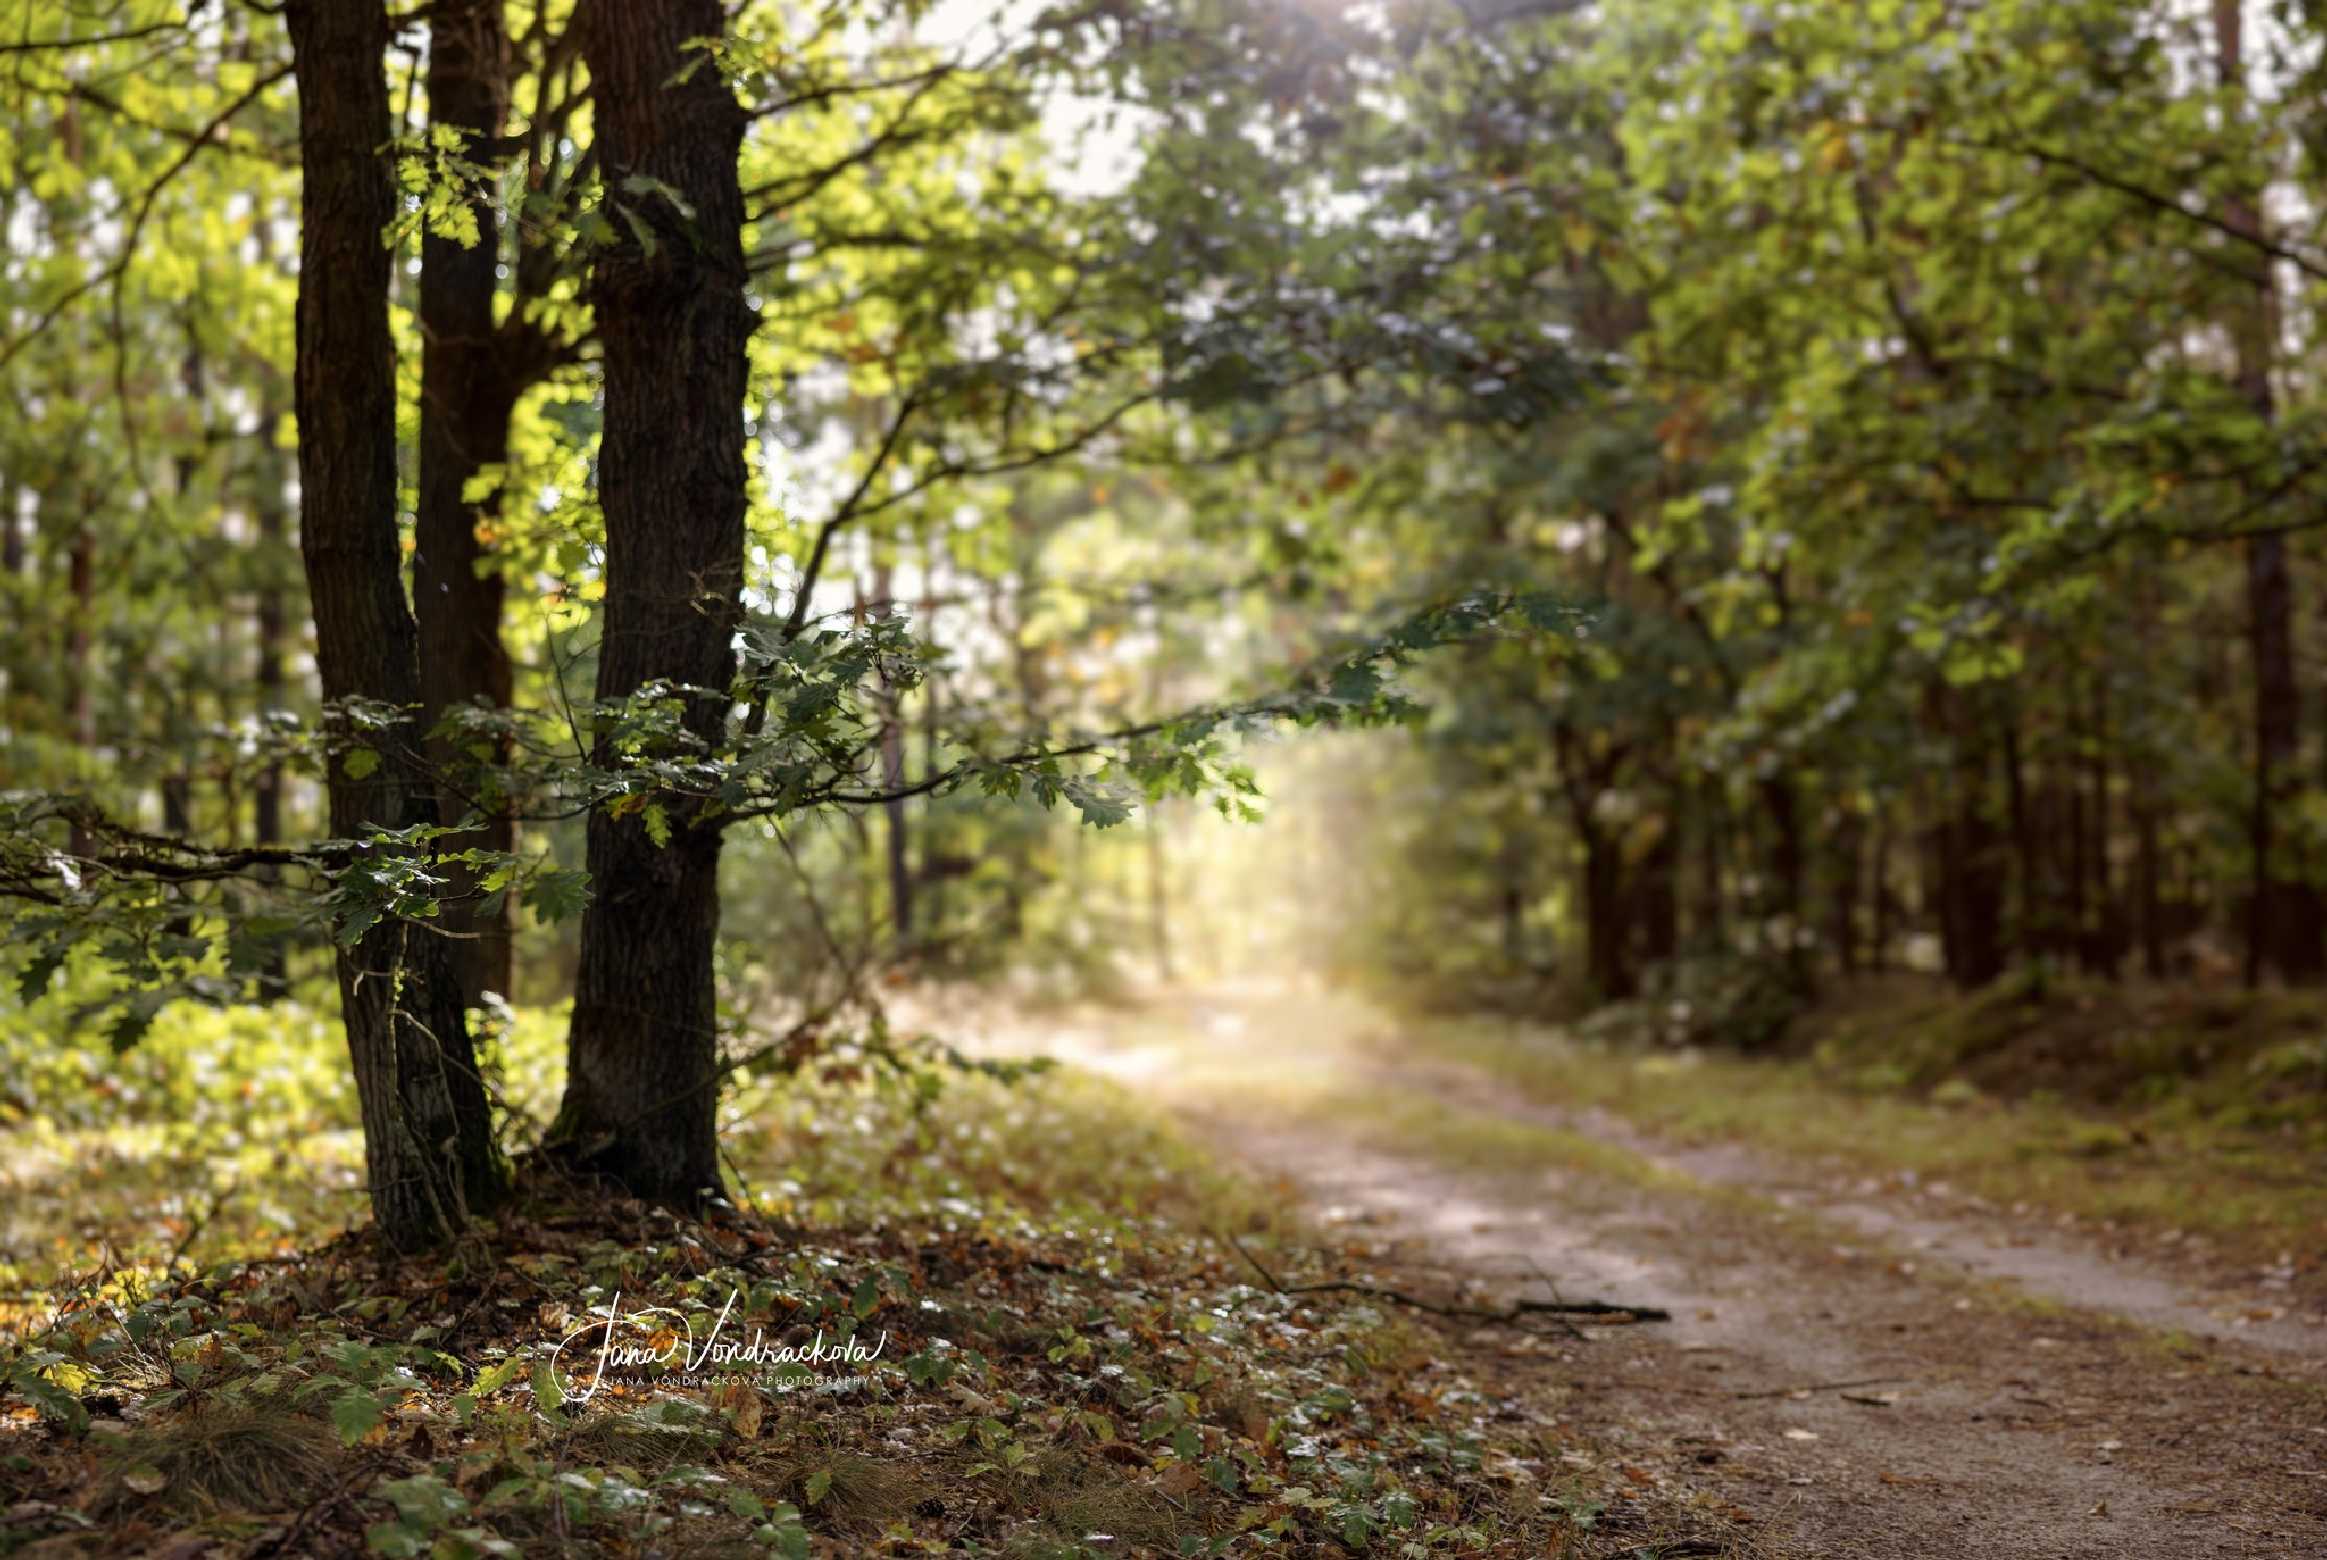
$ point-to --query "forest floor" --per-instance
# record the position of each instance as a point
(1860, 1362)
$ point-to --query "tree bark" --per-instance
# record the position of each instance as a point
(642, 1085)
(428, 1146)
(468, 389)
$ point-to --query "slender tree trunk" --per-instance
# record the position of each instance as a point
(1782, 904)
(2036, 918)
(1849, 840)
(428, 1145)
(468, 389)
(2105, 949)
(2284, 935)
(1658, 890)
(12, 555)
(80, 705)
(1979, 874)
(2148, 905)
(1879, 938)
(899, 838)
(1709, 927)
(1605, 931)
(643, 1081)
(270, 489)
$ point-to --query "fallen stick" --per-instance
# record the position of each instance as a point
(1823, 1386)
(1506, 1317)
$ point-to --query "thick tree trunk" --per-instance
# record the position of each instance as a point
(428, 1146)
(642, 1086)
(468, 388)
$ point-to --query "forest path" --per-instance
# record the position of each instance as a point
(2018, 1400)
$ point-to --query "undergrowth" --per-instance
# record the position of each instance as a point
(1056, 1351)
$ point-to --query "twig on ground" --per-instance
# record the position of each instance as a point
(1509, 1316)
(1822, 1386)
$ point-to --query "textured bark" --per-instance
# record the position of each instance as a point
(642, 1084)
(469, 384)
(428, 1147)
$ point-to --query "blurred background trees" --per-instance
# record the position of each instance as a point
(1917, 403)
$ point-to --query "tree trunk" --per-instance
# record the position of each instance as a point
(468, 388)
(270, 629)
(899, 835)
(1658, 891)
(2284, 935)
(1605, 939)
(1879, 891)
(2148, 903)
(428, 1146)
(1849, 837)
(642, 1084)
(80, 706)
(1782, 902)
(1977, 871)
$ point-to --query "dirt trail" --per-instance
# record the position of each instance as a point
(1989, 1426)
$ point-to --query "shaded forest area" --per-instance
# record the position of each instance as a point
(585, 583)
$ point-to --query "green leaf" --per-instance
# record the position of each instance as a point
(33, 980)
(355, 1413)
(547, 1395)
(359, 763)
(494, 1378)
(818, 1485)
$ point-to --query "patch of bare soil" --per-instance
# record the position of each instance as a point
(1844, 1378)
(2176, 1287)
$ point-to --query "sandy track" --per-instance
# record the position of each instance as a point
(2037, 1410)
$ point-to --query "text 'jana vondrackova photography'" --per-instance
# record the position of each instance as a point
(1068, 779)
